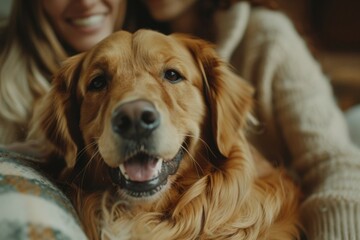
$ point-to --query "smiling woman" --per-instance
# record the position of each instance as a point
(38, 36)
(82, 24)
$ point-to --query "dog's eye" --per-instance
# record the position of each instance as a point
(172, 76)
(98, 83)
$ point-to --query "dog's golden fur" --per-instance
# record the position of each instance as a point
(221, 190)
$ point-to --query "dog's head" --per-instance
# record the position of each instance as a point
(140, 108)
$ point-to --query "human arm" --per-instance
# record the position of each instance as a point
(302, 126)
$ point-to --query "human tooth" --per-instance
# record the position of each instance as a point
(88, 21)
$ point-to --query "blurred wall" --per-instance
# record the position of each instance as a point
(5, 8)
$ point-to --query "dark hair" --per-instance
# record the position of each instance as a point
(139, 17)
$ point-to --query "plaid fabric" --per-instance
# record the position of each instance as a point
(31, 206)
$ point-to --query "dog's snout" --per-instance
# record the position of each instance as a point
(135, 119)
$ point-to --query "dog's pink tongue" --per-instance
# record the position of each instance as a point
(140, 171)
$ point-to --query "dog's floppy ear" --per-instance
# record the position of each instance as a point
(57, 115)
(228, 96)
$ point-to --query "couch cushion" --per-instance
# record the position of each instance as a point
(31, 205)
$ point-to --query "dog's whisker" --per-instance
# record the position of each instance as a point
(202, 141)
(79, 155)
(197, 165)
(87, 166)
(83, 170)
(84, 149)
(206, 145)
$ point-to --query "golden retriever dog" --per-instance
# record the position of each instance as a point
(153, 131)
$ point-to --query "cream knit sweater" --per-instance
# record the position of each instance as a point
(302, 125)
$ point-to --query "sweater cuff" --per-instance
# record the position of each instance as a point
(331, 218)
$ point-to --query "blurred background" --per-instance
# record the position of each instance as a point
(332, 27)
(332, 30)
(4, 8)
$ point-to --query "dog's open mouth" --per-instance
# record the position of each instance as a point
(144, 174)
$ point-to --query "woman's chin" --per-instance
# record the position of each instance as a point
(84, 43)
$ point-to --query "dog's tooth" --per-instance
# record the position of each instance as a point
(157, 168)
(159, 165)
(122, 168)
(142, 148)
(123, 171)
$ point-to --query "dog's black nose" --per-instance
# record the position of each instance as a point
(135, 119)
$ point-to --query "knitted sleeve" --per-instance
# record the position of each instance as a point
(316, 136)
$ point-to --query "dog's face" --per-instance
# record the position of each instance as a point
(142, 107)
